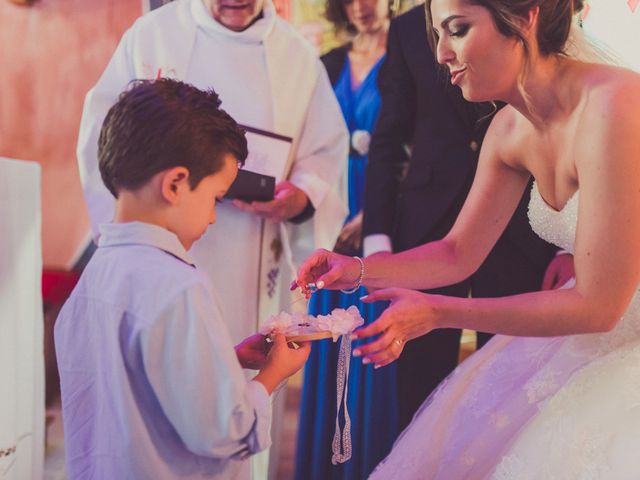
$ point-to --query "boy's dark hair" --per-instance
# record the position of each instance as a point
(161, 124)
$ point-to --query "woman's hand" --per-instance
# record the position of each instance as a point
(559, 271)
(410, 315)
(327, 270)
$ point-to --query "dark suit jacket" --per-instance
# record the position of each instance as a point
(334, 61)
(421, 110)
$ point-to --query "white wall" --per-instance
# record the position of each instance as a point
(616, 23)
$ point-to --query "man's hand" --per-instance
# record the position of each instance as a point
(288, 202)
(350, 238)
(252, 352)
(559, 271)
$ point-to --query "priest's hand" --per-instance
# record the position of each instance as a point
(252, 352)
(289, 201)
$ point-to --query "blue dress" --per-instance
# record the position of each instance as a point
(372, 393)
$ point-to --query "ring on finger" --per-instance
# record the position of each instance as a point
(397, 342)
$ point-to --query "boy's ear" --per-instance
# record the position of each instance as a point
(173, 182)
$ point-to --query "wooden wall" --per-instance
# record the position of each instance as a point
(51, 53)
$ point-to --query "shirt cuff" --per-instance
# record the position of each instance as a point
(376, 243)
(312, 185)
(304, 215)
(259, 398)
(562, 252)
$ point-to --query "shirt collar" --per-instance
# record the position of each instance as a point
(139, 233)
(256, 33)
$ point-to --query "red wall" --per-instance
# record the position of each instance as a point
(50, 55)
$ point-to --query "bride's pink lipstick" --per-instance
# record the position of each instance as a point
(456, 75)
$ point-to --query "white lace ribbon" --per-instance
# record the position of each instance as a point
(341, 445)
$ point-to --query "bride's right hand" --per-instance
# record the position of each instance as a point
(327, 270)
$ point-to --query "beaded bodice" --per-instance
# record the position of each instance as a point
(557, 227)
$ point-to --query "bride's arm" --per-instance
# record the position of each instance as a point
(494, 196)
(607, 251)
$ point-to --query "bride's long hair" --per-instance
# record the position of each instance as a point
(555, 20)
(559, 31)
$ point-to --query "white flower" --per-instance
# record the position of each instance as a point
(338, 322)
(360, 140)
(324, 323)
(280, 323)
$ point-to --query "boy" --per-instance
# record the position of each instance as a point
(151, 385)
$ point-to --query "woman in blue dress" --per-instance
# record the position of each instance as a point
(353, 71)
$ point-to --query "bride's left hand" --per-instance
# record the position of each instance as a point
(410, 315)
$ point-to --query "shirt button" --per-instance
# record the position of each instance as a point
(473, 146)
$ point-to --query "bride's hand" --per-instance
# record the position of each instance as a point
(327, 270)
(410, 315)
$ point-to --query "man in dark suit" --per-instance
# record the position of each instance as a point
(422, 161)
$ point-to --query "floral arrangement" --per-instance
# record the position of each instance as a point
(338, 322)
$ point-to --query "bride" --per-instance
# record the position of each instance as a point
(557, 393)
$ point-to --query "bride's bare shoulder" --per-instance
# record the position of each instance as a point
(609, 117)
(609, 88)
(506, 135)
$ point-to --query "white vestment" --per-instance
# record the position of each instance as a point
(270, 78)
(22, 414)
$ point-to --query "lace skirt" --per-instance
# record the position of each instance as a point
(532, 408)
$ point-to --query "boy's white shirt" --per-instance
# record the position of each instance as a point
(151, 384)
(238, 253)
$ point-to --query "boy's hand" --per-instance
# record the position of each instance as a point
(286, 359)
(252, 352)
(282, 362)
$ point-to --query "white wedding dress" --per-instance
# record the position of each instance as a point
(533, 408)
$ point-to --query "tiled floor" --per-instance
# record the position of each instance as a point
(54, 451)
(286, 464)
(54, 461)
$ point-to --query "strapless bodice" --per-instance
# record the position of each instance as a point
(557, 227)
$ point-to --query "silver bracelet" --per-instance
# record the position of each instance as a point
(360, 277)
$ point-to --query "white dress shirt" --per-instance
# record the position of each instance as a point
(151, 385)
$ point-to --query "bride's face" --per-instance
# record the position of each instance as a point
(482, 61)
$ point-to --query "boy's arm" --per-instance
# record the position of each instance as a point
(191, 365)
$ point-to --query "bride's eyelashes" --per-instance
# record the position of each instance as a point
(459, 30)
